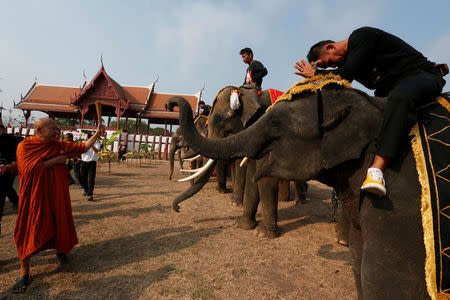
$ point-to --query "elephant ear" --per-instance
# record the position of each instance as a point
(347, 130)
(250, 105)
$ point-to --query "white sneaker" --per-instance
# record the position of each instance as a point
(374, 182)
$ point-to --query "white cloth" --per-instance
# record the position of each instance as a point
(91, 155)
(234, 100)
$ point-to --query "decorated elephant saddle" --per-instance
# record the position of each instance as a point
(431, 147)
(311, 84)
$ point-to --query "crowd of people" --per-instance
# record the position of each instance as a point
(375, 58)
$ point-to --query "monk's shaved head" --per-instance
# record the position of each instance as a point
(46, 129)
(42, 122)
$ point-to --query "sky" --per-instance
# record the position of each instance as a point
(191, 44)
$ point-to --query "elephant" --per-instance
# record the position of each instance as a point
(330, 135)
(177, 143)
(224, 121)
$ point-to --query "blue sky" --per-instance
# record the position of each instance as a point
(192, 43)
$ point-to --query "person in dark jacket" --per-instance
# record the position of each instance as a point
(384, 62)
(206, 109)
(8, 147)
(255, 71)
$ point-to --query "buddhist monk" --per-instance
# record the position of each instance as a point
(44, 219)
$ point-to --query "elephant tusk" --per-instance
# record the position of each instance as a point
(192, 158)
(243, 162)
(190, 170)
(200, 172)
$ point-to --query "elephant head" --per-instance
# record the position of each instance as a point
(321, 130)
(178, 143)
(224, 121)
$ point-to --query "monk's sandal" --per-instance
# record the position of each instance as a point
(374, 182)
(21, 284)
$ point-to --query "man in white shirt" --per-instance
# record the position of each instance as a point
(89, 168)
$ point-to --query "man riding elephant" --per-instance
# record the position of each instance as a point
(384, 62)
(255, 71)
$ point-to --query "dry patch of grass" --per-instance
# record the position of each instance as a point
(133, 246)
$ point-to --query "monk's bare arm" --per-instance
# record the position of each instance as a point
(90, 142)
(55, 161)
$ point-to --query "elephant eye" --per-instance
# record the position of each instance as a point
(275, 123)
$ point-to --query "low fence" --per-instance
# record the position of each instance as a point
(133, 142)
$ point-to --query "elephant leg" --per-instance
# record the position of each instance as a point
(356, 249)
(393, 253)
(221, 175)
(343, 226)
(268, 190)
(300, 191)
(238, 183)
(283, 190)
(251, 199)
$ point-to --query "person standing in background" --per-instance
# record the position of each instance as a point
(89, 168)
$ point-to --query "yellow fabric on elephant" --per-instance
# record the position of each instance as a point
(311, 84)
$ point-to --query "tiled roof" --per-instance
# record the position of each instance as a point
(49, 98)
(66, 99)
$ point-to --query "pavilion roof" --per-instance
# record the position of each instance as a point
(49, 98)
(141, 101)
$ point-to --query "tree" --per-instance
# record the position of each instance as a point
(131, 127)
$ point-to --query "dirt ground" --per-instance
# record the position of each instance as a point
(133, 246)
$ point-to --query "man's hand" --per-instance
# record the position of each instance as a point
(305, 69)
(443, 68)
(6, 168)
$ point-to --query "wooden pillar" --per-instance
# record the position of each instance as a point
(139, 142)
(148, 125)
(134, 141)
(109, 120)
(119, 140)
(165, 127)
(126, 141)
(138, 125)
(82, 121)
(153, 142)
(27, 115)
(170, 129)
(126, 124)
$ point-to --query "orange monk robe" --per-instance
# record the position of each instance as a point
(44, 220)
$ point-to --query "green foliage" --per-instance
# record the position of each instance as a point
(111, 140)
(66, 122)
(131, 127)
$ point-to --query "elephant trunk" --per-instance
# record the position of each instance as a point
(193, 189)
(245, 143)
(173, 148)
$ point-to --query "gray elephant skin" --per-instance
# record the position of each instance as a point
(177, 143)
(330, 136)
(223, 122)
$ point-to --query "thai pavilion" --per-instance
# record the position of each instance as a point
(120, 101)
